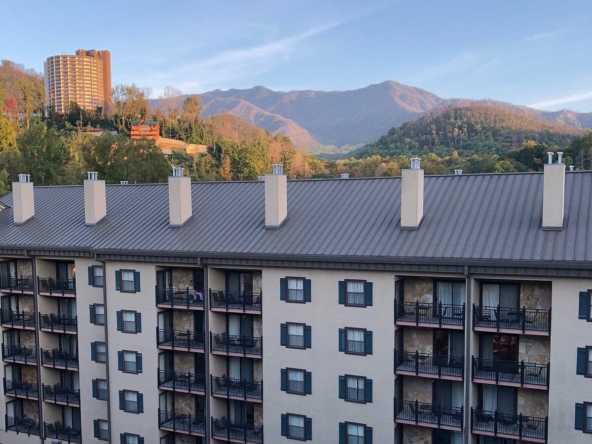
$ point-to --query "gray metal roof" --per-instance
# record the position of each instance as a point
(467, 218)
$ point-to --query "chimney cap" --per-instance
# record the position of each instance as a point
(458, 172)
(123, 182)
(24, 178)
(92, 175)
(571, 168)
(415, 163)
(345, 175)
(277, 169)
(178, 171)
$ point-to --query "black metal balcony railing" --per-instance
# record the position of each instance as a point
(236, 301)
(237, 388)
(179, 298)
(511, 372)
(519, 319)
(22, 425)
(18, 319)
(21, 389)
(505, 424)
(183, 382)
(58, 323)
(430, 313)
(57, 286)
(424, 413)
(229, 430)
(18, 354)
(63, 433)
(59, 359)
(183, 423)
(21, 284)
(61, 395)
(428, 363)
(237, 345)
(179, 340)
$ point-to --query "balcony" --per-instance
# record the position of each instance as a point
(229, 431)
(21, 389)
(428, 365)
(223, 344)
(16, 284)
(182, 423)
(173, 297)
(58, 287)
(182, 382)
(56, 394)
(513, 374)
(180, 340)
(429, 415)
(235, 301)
(423, 314)
(240, 389)
(58, 323)
(22, 425)
(504, 425)
(512, 320)
(21, 320)
(63, 433)
(19, 355)
(59, 359)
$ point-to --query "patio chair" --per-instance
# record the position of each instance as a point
(483, 418)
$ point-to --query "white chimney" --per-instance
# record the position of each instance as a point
(412, 196)
(180, 204)
(276, 198)
(345, 175)
(123, 182)
(95, 199)
(23, 202)
(553, 193)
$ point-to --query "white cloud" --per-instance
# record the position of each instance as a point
(466, 60)
(578, 97)
(545, 35)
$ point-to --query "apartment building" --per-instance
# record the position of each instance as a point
(445, 309)
(83, 78)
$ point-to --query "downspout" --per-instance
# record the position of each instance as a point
(37, 347)
(467, 370)
(107, 345)
(206, 300)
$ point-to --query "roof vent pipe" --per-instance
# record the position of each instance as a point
(571, 168)
(95, 199)
(276, 198)
(458, 172)
(123, 182)
(23, 201)
(412, 196)
(553, 194)
(559, 157)
(180, 203)
(345, 175)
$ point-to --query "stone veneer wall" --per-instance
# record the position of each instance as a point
(534, 349)
(533, 402)
(182, 277)
(28, 339)
(24, 267)
(257, 369)
(26, 303)
(184, 362)
(184, 404)
(419, 389)
(417, 435)
(419, 339)
(257, 281)
(183, 320)
(29, 373)
(535, 295)
(257, 326)
(258, 414)
(30, 409)
(184, 439)
(418, 289)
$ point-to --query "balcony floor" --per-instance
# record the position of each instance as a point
(179, 425)
(509, 379)
(429, 371)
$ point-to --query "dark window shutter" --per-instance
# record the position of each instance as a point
(283, 380)
(284, 425)
(94, 388)
(368, 291)
(368, 390)
(137, 281)
(93, 351)
(307, 290)
(308, 383)
(368, 435)
(583, 311)
(581, 365)
(282, 289)
(91, 276)
(307, 336)
(342, 387)
(121, 402)
(139, 362)
(283, 334)
(140, 440)
(138, 322)
(122, 438)
(118, 280)
(368, 342)
(308, 428)
(140, 403)
(579, 417)
(341, 339)
(96, 428)
(119, 360)
(118, 320)
(91, 309)
(341, 433)
(342, 292)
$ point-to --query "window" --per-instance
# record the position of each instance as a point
(354, 341)
(101, 429)
(295, 335)
(296, 427)
(585, 305)
(97, 314)
(131, 439)
(129, 362)
(130, 401)
(99, 389)
(128, 282)
(588, 417)
(295, 381)
(355, 389)
(355, 433)
(295, 289)
(589, 300)
(98, 352)
(98, 279)
(355, 293)
(129, 322)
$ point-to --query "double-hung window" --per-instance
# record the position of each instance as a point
(588, 372)
(130, 401)
(295, 335)
(101, 429)
(129, 362)
(295, 381)
(98, 351)
(128, 322)
(99, 314)
(355, 389)
(354, 295)
(128, 281)
(588, 417)
(295, 289)
(296, 427)
(354, 341)
(101, 389)
(98, 279)
(355, 433)
(131, 439)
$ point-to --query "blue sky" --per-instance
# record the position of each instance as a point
(528, 52)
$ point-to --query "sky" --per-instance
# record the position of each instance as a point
(528, 52)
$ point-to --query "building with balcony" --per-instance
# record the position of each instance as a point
(446, 310)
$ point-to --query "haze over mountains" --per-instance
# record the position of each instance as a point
(319, 121)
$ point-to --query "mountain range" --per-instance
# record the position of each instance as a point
(339, 121)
